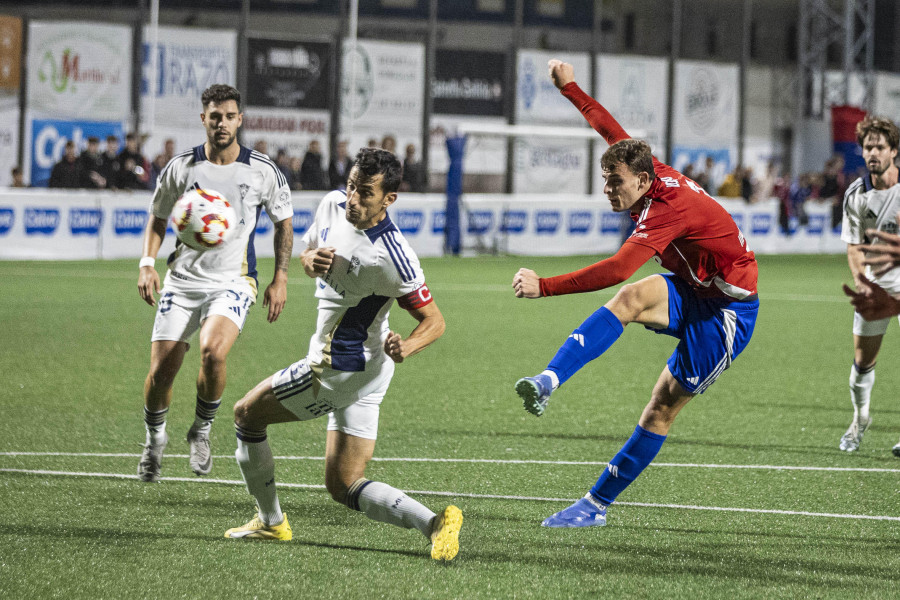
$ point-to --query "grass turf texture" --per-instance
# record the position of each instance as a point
(74, 352)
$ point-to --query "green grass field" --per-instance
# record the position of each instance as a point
(749, 497)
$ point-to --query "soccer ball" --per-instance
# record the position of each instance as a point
(203, 219)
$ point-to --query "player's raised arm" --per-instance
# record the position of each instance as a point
(563, 76)
(148, 279)
(431, 326)
(276, 292)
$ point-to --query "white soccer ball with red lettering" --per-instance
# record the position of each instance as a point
(203, 219)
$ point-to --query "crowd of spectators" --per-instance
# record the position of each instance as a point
(311, 173)
(107, 169)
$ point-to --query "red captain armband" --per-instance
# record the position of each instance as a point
(416, 299)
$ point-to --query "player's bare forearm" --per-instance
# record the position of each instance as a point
(855, 257)
(882, 257)
(148, 278)
(284, 245)
(431, 326)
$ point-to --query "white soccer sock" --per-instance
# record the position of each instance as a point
(254, 457)
(861, 391)
(381, 502)
(204, 414)
(554, 378)
(155, 424)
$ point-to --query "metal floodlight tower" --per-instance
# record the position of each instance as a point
(823, 24)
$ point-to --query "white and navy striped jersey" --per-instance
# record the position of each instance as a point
(250, 183)
(868, 208)
(371, 268)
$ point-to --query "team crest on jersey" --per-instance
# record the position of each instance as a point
(353, 266)
(244, 188)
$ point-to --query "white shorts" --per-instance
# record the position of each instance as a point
(351, 399)
(864, 328)
(180, 313)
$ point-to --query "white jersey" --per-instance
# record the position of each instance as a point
(250, 183)
(868, 208)
(371, 268)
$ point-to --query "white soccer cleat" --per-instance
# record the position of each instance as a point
(151, 460)
(853, 437)
(896, 450)
(200, 457)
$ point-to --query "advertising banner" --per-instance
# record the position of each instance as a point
(10, 54)
(48, 138)
(190, 60)
(79, 70)
(706, 104)
(887, 96)
(551, 165)
(468, 82)
(288, 74)
(9, 137)
(537, 99)
(290, 129)
(387, 94)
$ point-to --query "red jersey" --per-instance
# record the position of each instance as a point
(693, 236)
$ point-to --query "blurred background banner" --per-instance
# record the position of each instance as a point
(190, 60)
(288, 88)
(49, 137)
(386, 95)
(10, 85)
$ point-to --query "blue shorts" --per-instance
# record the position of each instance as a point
(713, 331)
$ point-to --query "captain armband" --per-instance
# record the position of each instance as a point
(416, 299)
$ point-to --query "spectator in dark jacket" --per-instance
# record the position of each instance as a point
(339, 167)
(312, 175)
(134, 171)
(65, 172)
(89, 166)
(109, 170)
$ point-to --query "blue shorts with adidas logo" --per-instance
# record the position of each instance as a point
(712, 332)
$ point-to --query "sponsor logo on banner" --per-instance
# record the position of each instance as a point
(816, 224)
(129, 221)
(288, 74)
(355, 98)
(41, 221)
(547, 221)
(514, 221)
(610, 222)
(761, 224)
(738, 220)
(703, 97)
(580, 221)
(7, 218)
(264, 224)
(49, 139)
(85, 221)
(409, 222)
(480, 221)
(468, 82)
(438, 221)
(301, 221)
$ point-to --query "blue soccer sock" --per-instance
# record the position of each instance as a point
(638, 452)
(590, 340)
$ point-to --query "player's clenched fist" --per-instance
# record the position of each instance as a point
(560, 72)
(527, 284)
(393, 347)
(317, 262)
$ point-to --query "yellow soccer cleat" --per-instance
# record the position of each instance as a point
(258, 530)
(445, 535)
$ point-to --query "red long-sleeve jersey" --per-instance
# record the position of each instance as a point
(677, 221)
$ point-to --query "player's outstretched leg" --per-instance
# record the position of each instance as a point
(151, 458)
(861, 383)
(200, 456)
(591, 339)
(254, 457)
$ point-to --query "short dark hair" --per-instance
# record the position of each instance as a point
(219, 93)
(377, 161)
(878, 126)
(635, 154)
(111, 138)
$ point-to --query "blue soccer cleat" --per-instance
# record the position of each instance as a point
(587, 512)
(535, 393)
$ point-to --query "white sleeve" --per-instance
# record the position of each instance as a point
(403, 273)
(852, 226)
(277, 197)
(168, 190)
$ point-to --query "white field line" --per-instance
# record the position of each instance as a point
(308, 486)
(484, 461)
